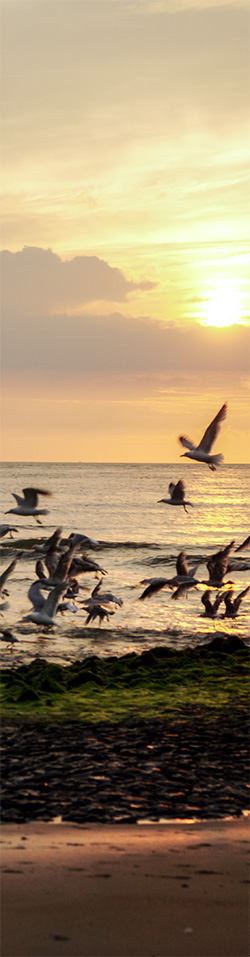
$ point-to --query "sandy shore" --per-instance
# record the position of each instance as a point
(175, 890)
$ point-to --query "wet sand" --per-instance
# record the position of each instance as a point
(170, 890)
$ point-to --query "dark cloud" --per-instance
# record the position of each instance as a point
(116, 344)
(36, 280)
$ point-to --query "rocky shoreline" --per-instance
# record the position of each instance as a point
(194, 764)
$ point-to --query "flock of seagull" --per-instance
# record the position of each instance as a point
(59, 564)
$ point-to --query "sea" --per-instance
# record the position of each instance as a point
(135, 537)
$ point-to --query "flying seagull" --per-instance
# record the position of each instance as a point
(232, 605)
(99, 611)
(201, 452)
(211, 608)
(101, 598)
(28, 504)
(182, 577)
(217, 566)
(45, 614)
(177, 495)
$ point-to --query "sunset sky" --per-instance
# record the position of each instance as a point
(125, 227)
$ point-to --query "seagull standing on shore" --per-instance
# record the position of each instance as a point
(177, 495)
(7, 529)
(201, 452)
(28, 504)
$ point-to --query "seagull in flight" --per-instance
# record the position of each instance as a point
(99, 605)
(98, 597)
(183, 576)
(211, 608)
(28, 504)
(177, 495)
(217, 567)
(201, 452)
(232, 605)
(45, 615)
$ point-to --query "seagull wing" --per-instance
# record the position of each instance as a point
(97, 588)
(5, 575)
(52, 602)
(194, 569)
(64, 563)
(217, 602)
(245, 544)
(51, 562)
(228, 598)
(187, 444)
(179, 491)
(217, 564)
(108, 597)
(40, 570)
(183, 588)
(35, 596)
(212, 430)
(31, 495)
(19, 499)
(54, 540)
(239, 599)
(206, 601)
(181, 565)
(154, 587)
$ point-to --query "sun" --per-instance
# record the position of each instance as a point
(223, 308)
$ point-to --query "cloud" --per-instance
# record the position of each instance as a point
(117, 345)
(36, 280)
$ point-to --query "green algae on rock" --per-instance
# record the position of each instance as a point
(213, 676)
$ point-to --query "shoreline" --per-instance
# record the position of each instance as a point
(112, 890)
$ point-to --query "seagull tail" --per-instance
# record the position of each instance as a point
(217, 459)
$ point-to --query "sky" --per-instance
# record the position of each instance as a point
(125, 228)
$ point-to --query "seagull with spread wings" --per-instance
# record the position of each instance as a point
(177, 495)
(211, 608)
(183, 576)
(45, 611)
(233, 604)
(201, 452)
(28, 505)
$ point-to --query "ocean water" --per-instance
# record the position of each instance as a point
(137, 538)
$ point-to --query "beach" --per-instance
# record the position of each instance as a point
(175, 890)
(126, 838)
(125, 749)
